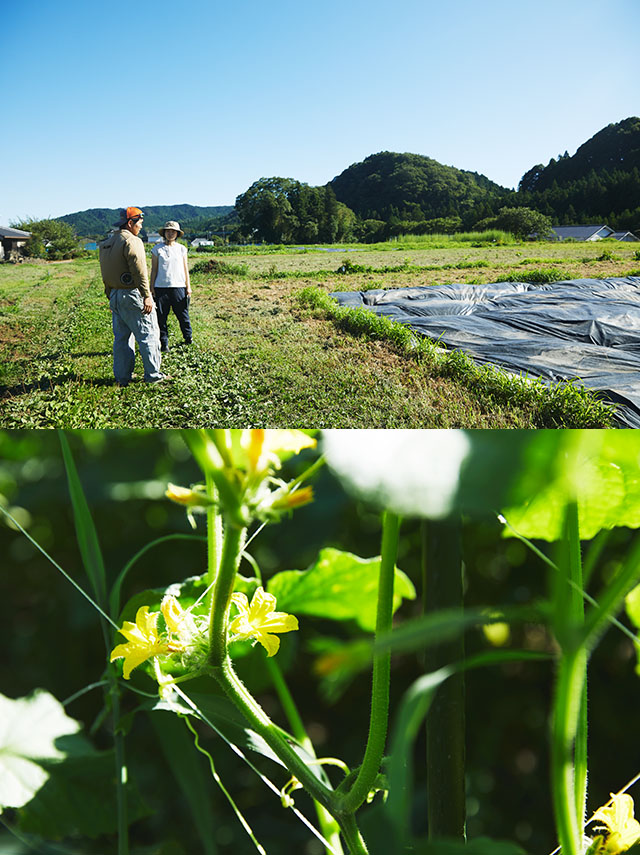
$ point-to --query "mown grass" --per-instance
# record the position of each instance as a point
(269, 354)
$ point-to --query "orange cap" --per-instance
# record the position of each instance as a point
(132, 213)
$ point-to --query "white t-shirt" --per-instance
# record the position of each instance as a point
(170, 265)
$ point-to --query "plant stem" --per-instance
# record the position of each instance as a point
(222, 669)
(218, 616)
(121, 796)
(569, 754)
(379, 719)
(352, 836)
(214, 536)
(564, 725)
(442, 572)
(577, 612)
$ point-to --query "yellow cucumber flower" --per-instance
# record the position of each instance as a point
(624, 830)
(143, 641)
(264, 447)
(259, 620)
(179, 621)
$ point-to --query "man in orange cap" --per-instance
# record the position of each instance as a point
(123, 266)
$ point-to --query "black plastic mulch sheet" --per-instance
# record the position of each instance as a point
(586, 330)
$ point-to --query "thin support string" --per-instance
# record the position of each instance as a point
(58, 567)
(264, 779)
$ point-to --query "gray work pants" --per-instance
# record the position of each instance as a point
(130, 324)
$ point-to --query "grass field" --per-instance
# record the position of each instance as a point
(271, 350)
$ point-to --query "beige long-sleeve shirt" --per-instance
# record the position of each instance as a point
(123, 263)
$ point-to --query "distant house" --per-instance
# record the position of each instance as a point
(154, 237)
(11, 240)
(628, 236)
(581, 232)
(202, 242)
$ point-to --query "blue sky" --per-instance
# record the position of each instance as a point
(106, 105)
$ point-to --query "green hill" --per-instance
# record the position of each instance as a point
(412, 187)
(616, 147)
(599, 183)
(98, 221)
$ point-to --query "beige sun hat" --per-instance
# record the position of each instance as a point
(171, 225)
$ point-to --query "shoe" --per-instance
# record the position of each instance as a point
(188, 341)
(164, 348)
(160, 379)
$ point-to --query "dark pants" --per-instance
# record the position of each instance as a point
(176, 299)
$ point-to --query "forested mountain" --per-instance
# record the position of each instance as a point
(389, 185)
(599, 183)
(98, 221)
(390, 193)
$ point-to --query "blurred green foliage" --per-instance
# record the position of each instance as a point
(52, 640)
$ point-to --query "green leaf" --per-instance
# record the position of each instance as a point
(448, 624)
(339, 586)
(31, 728)
(632, 602)
(85, 529)
(600, 470)
(186, 766)
(231, 724)
(79, 799)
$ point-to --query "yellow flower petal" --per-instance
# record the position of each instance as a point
(142, 641)
(624, 830)
(259, 620)
(264, 447)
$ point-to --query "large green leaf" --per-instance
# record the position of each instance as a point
(29, 732)
(600, 469)
(186, 765)
(339, 586)
(228, 722)
(79, 798)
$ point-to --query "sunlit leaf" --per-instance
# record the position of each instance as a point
(29, 732)
(601, 469)
(339, 586)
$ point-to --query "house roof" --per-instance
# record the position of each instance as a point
(582, 232)
(13, 233)
(624, 236)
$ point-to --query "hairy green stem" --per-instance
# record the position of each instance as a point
(352, 836)
(214, 536)
(570, 685)
(569, 754)
(222, 669)
(233, 542)
(577, 613)
(379, 719)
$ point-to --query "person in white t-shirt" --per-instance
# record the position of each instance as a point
(170, 282)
